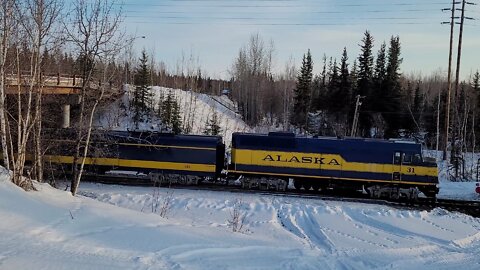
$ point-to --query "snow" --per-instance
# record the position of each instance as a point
(114, 227)
(458, 191)
(195, 110)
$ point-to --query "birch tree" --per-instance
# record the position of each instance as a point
(6, 14)
(38, 19)
(94, 31)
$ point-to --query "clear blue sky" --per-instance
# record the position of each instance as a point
(214, 30)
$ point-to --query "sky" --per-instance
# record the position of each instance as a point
(213, 31)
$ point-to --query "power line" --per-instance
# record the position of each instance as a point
(285, 24)
(288, 11)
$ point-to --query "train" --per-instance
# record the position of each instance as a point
(274, 161)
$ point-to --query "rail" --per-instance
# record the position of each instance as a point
(471, 208)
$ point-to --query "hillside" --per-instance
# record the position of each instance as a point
(195, 109)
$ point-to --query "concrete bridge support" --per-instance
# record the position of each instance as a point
(66, 116)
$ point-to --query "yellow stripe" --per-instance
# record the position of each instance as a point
(340, 178)
(337, 163)
(159, 165)
(152, 145)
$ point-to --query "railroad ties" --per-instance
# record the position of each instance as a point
(471, 208)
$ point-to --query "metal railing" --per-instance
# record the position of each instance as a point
(58, 79)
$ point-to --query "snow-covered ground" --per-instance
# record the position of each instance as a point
(458, 191)
(120, 227)
(195, 111)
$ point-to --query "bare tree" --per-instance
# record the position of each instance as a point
(252, 73)
(94, 32)
(6, 14)
(237, 220)
(31, 22)
(38, 19)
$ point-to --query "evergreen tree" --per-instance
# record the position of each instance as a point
(302, 93)
(335, 100)
(354, 79)
(319, 88)
(345, 83)
(170, 113)
(476, 91)
(379, 76)
(176, 120)
(417, 108)
(142, 97)
(392, 92)
(167, 108)
(212, 127)
(417, 101)
(364, 81)
(365, 65)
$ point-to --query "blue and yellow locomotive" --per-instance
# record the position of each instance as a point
(165, 157)
(380, 167)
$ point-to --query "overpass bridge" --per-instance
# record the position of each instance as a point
(67, 87)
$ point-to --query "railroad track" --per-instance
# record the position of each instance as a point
(471, 208)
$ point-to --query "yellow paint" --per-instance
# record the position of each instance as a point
(159, 165)
(263, 158)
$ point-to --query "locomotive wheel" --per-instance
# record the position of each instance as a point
(307, 186)
(297, 184)
(316, 186)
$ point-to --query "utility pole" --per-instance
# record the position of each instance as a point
(355, 116)
(453, 158)
(449, 76)
(457, 79)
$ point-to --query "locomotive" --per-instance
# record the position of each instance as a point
(266, 161)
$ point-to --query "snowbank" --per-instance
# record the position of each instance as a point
(117, 229)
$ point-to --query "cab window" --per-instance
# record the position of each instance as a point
(407, 158)
(397, 157)
(417, 158)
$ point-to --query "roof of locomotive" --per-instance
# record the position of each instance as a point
(153, 138)
(166, 138)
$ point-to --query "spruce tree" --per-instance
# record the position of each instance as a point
(377, 104)
(416, 108)
(142, 96)
(212, 127)
(167, 105)
(417, 101)
(365, 80)
(302, 93)
(476, 91)
(319, 87)
(176, 120)
(345, 83)
(335, 100)
(392, 92)
(170, 113)
(365, 65)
